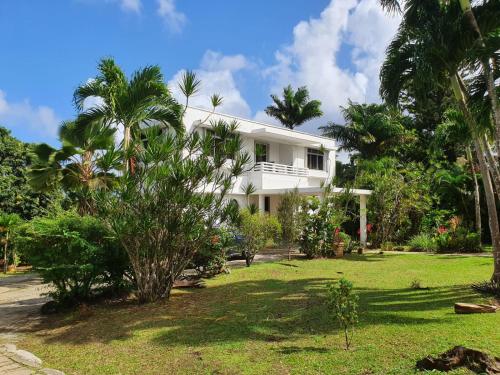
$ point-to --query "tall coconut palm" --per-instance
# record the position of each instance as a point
(142, 100)
(295, 108)
(84, 163)
(371, 130)
(484, 13)
(436, 52)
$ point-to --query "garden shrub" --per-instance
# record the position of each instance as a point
(387, 246)
(321, 232)
(400, 199)
(210, 259)
(256, 229)
(458, 241)
(422, 242)
(75, 254)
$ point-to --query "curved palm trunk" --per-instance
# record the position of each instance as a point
(492, 164)
(487, 69)
(460, 96)
(477, 197)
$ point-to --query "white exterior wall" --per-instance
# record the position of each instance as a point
(286, 147)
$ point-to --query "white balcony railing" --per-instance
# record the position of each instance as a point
(267, 167)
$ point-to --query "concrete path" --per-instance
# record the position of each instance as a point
(20, 302)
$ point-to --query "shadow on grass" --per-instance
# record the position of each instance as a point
(268, 310)
(298, 349)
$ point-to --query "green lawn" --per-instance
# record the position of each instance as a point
(270, 319)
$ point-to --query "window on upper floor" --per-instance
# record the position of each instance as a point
(261, 152)
(217, 142)
(315, 159)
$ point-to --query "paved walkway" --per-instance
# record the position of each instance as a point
(20, 302)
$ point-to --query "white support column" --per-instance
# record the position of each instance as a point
(362, 220)
(262, 204)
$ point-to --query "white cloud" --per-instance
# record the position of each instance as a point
(174, 19)
(131, 5)
(216, 73)
(312, 58)
(23, 116)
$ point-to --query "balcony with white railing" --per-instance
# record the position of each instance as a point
(274, 168)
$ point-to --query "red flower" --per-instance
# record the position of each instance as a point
(442, 229)
(337, 231)
(369, 228)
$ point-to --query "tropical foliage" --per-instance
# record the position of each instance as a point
(256, 230)
(17, 196)
(157, 211)
(85, 163)
(371, 130)
(295, 108)
(8, 225)
(128, 104)
(76, 254)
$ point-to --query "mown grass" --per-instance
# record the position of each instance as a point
(271, 319)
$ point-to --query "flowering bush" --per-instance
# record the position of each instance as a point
(322, 223)
(210, 259)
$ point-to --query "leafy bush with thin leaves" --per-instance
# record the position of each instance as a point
(76, 254)
(422, 242)
(164, 210)
(343, 306)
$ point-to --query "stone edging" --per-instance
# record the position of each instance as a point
(16, 361)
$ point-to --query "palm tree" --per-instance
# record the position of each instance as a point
(83, 164)
(432, 47)
(295, 108)
(487, 12)
(142, 100)
(454, 130)
(371, 130)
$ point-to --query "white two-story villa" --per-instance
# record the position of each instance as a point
(283, 159)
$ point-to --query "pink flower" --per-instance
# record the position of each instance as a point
(442, 229)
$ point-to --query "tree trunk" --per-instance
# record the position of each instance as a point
(477, 197)
(5, 258)
(460, 96)
(487, 70)
(492, 164)
(126, 145)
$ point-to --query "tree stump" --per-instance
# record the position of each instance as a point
(470, 308)
(460, 356)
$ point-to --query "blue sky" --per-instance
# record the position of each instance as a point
(244, 50)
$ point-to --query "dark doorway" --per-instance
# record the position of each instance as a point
(267, 204)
